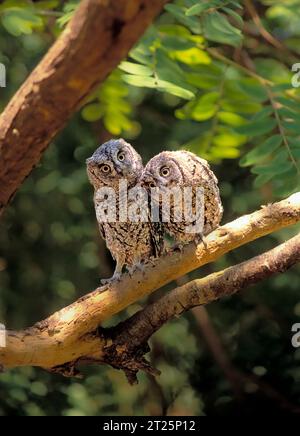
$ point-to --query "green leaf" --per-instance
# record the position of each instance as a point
(236, 4)
(69, 9)
(202, 80)
(198, 9)
(71, 5)
(273, 170)
(261, 180)
(282, 87)
(264, 113)
(242, 106)
(19, 21)
(224, 152)
(217, 28)
(234, 15)
(62, 21)
(141, 55)
(136, 69)
(111, 90)
(206, 77)
(192, 56)
(110, 124)
(92, 112)
(166, 86)
(191, 22)
(12, 4)
(231, 118)
(201, 114)
(294, 143)
(123, 106)
(253, 89)
(289, 114)
(109, 104)
(272, 69)
(176, 43)
(262, 151)
(115, 122)
(256, 128)
(284, 186)
(167, 69)
(279, 165)
(229, 139)
(205, 107)
(47, 4)
(174, 30)
(170, 73)
(200, 110)
(161, 85)
(209, 97)
(295, 152)
(140, 81)
(289, 102)
(292, 127)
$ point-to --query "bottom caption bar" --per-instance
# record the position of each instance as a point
(134, 425)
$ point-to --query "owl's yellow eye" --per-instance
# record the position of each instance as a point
(165, 171)
(104, 168)
(121, 156)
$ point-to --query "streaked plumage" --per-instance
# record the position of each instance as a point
(130, 243)
(171, 169)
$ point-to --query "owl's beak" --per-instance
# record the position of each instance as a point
(148, 182)
(122, 171)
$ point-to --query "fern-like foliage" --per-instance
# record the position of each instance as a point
(198, 52)
(227, 68)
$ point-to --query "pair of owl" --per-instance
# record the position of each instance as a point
(134, 243)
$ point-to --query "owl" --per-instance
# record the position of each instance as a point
(185, 171)
(131, 243)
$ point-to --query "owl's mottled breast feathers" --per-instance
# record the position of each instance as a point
(180, 169)
(130, 243)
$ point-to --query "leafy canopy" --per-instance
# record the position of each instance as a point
(222, 69)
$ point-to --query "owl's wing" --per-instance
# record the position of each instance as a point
(198, 168)
(203, 176)
(102, 231)
(100, 225)
(157, 238)
(156, 231)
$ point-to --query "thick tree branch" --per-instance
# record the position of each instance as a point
(127, 342)
(72, 334)
(98, 37)
(140, 327)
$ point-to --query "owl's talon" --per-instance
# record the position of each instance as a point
(179, 247)
(138, 267)
(114, 279)
(199, 239)
(151, 261)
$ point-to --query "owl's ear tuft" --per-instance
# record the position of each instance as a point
(89, 160)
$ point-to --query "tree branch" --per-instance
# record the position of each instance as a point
(205, 290)
(97, 38)
(72, 334)
(264, 32)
